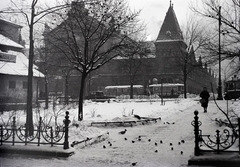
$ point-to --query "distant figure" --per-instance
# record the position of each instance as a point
(204, 101)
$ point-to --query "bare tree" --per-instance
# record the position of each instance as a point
(133, 60)
(90, 34)
(33, 14)
(196, 38)
(227, 13)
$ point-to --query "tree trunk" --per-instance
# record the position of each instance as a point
(131, 90)
(29, 117)
(46, 92)
(185, 77)
(66, 90)
(81, 94)
(185, 85)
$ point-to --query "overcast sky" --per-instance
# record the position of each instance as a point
(153, 12)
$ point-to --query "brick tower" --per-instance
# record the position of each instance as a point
(170, 49)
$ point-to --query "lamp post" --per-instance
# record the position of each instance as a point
(219, 54)
(234, 79)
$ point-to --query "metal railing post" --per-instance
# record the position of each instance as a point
(13, 130)
(196, 133)
(218, 141)
(66, 123)
(51, 136)
(39, 130)
(1, 134)
(239, 135)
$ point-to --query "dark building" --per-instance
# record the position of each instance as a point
(170, 61)
(168, 64)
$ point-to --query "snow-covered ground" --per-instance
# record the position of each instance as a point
(174, 126)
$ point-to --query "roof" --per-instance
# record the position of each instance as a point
(170, 29)
(123, 86)
(20, 67)
(8, 42)
(10, 23)
(166, 85)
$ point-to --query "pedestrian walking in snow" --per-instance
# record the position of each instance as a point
(204, 98)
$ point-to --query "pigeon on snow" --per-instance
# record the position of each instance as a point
(123, 132)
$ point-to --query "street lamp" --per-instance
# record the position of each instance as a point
(234, 79)
(219, 53)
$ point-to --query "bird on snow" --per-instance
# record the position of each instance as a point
(173, 123)
(170, 144)
(125, 138)
(133, 141)
(156, 151)
(155, 144)
(179, 143)
(137, 116)
(149, 140)
(182, 141)
(172, 148)
(104, 146)
(161, 141)
(123, 132)
(168, 123)
(181, 152)
(110, 144)
(134, 163)
(139, 139)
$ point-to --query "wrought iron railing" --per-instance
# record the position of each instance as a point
(43, 134)
(220, 142)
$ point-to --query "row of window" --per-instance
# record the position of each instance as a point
(12, 84)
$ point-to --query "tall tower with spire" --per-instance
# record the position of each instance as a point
(170, 48)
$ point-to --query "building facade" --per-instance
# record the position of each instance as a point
(171, 61)
(14, 66)
(167, 65)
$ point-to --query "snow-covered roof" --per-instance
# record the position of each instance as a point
(123, 86)
(170, 40)
(20, 67)
(8, 42)
(135, 57)
(166, 85)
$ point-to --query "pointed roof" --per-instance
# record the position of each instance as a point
(170, 29)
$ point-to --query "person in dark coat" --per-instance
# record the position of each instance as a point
(205, 96)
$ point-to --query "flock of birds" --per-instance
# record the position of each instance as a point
(139, 138)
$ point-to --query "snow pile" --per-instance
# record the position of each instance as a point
(122, 110)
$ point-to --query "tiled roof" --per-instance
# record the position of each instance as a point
(170, 29)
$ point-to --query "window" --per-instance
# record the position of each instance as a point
(12, 84)
(24, 84)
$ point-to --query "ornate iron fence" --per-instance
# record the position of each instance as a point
(217, 143)
(43, 134)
